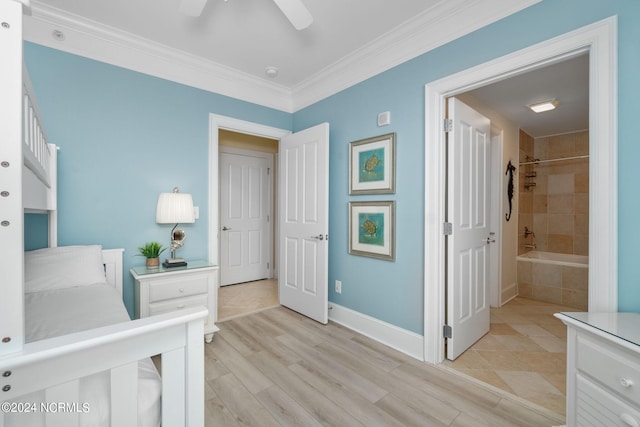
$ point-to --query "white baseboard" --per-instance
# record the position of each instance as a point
(509, 293)
(397, 338)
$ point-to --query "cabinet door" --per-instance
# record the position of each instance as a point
(598, 406)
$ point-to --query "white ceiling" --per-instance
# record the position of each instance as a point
(567, 82)
(227, 49)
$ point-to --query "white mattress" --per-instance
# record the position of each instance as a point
(64, 311)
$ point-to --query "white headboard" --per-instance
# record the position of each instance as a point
(112, 259)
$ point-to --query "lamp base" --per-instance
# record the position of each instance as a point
(174, 262)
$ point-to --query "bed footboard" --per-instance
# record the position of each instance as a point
(56, 366)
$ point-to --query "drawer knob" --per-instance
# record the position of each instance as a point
(629, 420)
(181, 306)
(181, 290)
(626, 383)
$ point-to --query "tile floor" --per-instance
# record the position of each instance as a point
(524, 353)
(244, 298)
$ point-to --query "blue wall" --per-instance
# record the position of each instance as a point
(144, 135)
(125, 137)
(393, 291)
(36, 228)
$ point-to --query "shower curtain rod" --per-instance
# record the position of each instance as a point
(536, 162)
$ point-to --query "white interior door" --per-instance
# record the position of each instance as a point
(244, 218)
(468, 185)
(304, 221)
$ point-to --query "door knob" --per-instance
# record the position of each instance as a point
(226, 228)
(318, 237)
(490, 240)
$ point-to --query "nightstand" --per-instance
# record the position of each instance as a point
(162, 290)
(603, 368)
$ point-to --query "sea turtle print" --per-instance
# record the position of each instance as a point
(371, 163)
(370, 228)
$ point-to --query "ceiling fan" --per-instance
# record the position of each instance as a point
(294, 10)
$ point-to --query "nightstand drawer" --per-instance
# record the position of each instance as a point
(596, 406)
(169, 288)
(178, 304)
(619, 373)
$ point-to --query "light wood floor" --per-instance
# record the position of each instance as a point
(277, 367)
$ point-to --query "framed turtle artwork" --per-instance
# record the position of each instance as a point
(372, 165)
(372, 229)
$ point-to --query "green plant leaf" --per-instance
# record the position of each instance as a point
(151, 250)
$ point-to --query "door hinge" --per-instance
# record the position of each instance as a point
(268, 171)
(448, 125)
(447, 229)
(267, 266)
(267, 218)
(447, 332)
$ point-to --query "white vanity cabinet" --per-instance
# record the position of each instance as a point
(162, 290)
(603, 369)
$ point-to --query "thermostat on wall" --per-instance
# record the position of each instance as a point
(384, 118)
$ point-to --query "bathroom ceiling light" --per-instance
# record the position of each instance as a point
(541, 107)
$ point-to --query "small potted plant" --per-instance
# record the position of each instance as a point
(151, 251)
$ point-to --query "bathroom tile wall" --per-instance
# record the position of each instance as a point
(525, 193)
(556, 209)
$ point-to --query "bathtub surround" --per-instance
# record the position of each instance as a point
(556, 208)
(556, 278)
(525, 196)
(554, 218)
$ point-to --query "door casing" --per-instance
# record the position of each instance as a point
(599, 40)
(216, 123)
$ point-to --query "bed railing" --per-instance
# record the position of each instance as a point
(56, 365)
(35, 148)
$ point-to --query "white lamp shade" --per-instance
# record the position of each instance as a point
(175, 208)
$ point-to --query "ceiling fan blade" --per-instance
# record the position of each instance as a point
(296, 12)
(192, 7)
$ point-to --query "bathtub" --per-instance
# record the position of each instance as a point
(578, 261)
(556, 278)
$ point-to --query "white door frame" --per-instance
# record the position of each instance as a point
(495, 263)
(600, 40)
(217, 122)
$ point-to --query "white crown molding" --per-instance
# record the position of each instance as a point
(440, 24)
(108, 44)
(444, 22)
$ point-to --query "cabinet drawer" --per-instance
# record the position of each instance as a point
(596, 406)
(615, 370)
(173, 287)
(178, 304)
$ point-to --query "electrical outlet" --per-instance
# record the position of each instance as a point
(338, 287)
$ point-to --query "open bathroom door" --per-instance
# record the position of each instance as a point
(468, 144)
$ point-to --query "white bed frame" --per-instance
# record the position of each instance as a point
(28, 184)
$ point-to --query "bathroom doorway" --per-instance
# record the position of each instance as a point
(547, 230)
(524, 351)
(595, 40)
(550, 171)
